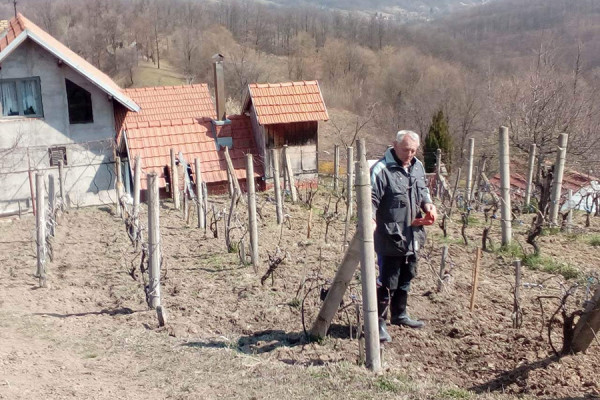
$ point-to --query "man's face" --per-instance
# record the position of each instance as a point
(406, 150)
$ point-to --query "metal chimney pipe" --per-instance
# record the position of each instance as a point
(219, 87)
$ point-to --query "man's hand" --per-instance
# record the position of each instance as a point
(430, 208)
(374, 224)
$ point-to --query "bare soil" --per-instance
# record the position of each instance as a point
(90, 335)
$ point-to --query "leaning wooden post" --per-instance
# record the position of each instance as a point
(517, 316)
(40, 225)
(336, 167)
(174, 181)
(559, 170)
(52, 204)
(470, 170)
(438, 172)
(505, 186)
(530, 167)
(253, 227)
(118, 186)
(334, 297)
(277, 185)
(289, 172)
(588, 325)
(200, 196)
(475, 278)
(442, 268)
(570, 212)
(137, 176)
(234, 180)
(61, 184)
(349, 181)
(367, 259)
(153, 294)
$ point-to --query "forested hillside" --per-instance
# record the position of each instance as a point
(534, 66)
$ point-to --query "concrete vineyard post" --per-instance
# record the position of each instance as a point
(153, 243)
(504, 158)
(559, 170)
(253, 227)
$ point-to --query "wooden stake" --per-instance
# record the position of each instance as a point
(454, 191)
(174, 182)
(40, 225)
(253, 226)
(118, 186)
(309, 223)
(349, 191)
(336, 292)
(559, 170)
(442, 268)
(154, 255)
(52, 204)
(438, 172)
(61, 184)
(289, 173)
(234, 180)
(570, 212)
(367, 259)
(470, 170)
(336, 167)
(517, 316)
(505, 208)
(475, 278)
(137, 176)
(200, 196)
(277, 185)
(530, 167)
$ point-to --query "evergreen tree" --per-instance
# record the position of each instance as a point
(438, 137)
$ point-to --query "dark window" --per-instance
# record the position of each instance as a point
(21, 97)
(80, 104)
(57, 154)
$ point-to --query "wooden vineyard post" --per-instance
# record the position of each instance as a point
(349, 180)
(517, 316)
(570, 211)
(200, 196)
(61, 184)
(40, 226)
(52, 204)
(454, 191)
(438, 173)
(470, 171)
(475, 278)
(137, 177)
(336, 167)
(253, 227)
(367, 260)
(174, 181)
(154, 256)
(118, 186)
(504, 158)
(289, 173)
(588, 325)
(530, 167)
(233, 178)
(277, 185)
(442, 268)
(559, 170)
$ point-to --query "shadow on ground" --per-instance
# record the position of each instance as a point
(257, 343)
(118, 311)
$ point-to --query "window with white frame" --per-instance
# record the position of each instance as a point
(21, 97)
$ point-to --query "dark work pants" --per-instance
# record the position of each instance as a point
(395, 274)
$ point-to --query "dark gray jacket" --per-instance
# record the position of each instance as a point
(397, 197)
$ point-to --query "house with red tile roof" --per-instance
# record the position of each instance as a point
(287, 114)
(54, 106)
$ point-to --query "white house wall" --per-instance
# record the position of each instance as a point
(24, 142)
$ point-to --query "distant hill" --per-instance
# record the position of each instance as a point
(400, 9)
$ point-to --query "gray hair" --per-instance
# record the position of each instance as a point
(412, 135)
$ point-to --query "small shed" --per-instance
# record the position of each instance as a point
(287, 114)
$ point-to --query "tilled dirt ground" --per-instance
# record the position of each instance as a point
(89, 334)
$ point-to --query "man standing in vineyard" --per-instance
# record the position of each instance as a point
(399, 193)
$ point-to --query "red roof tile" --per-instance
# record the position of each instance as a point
(277, 103)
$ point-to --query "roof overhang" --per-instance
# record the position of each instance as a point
(124, 100)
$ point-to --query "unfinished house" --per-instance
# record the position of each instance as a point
(287, 114)
(55, 106)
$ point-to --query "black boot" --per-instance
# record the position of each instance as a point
(398, 308)
(384, 336)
